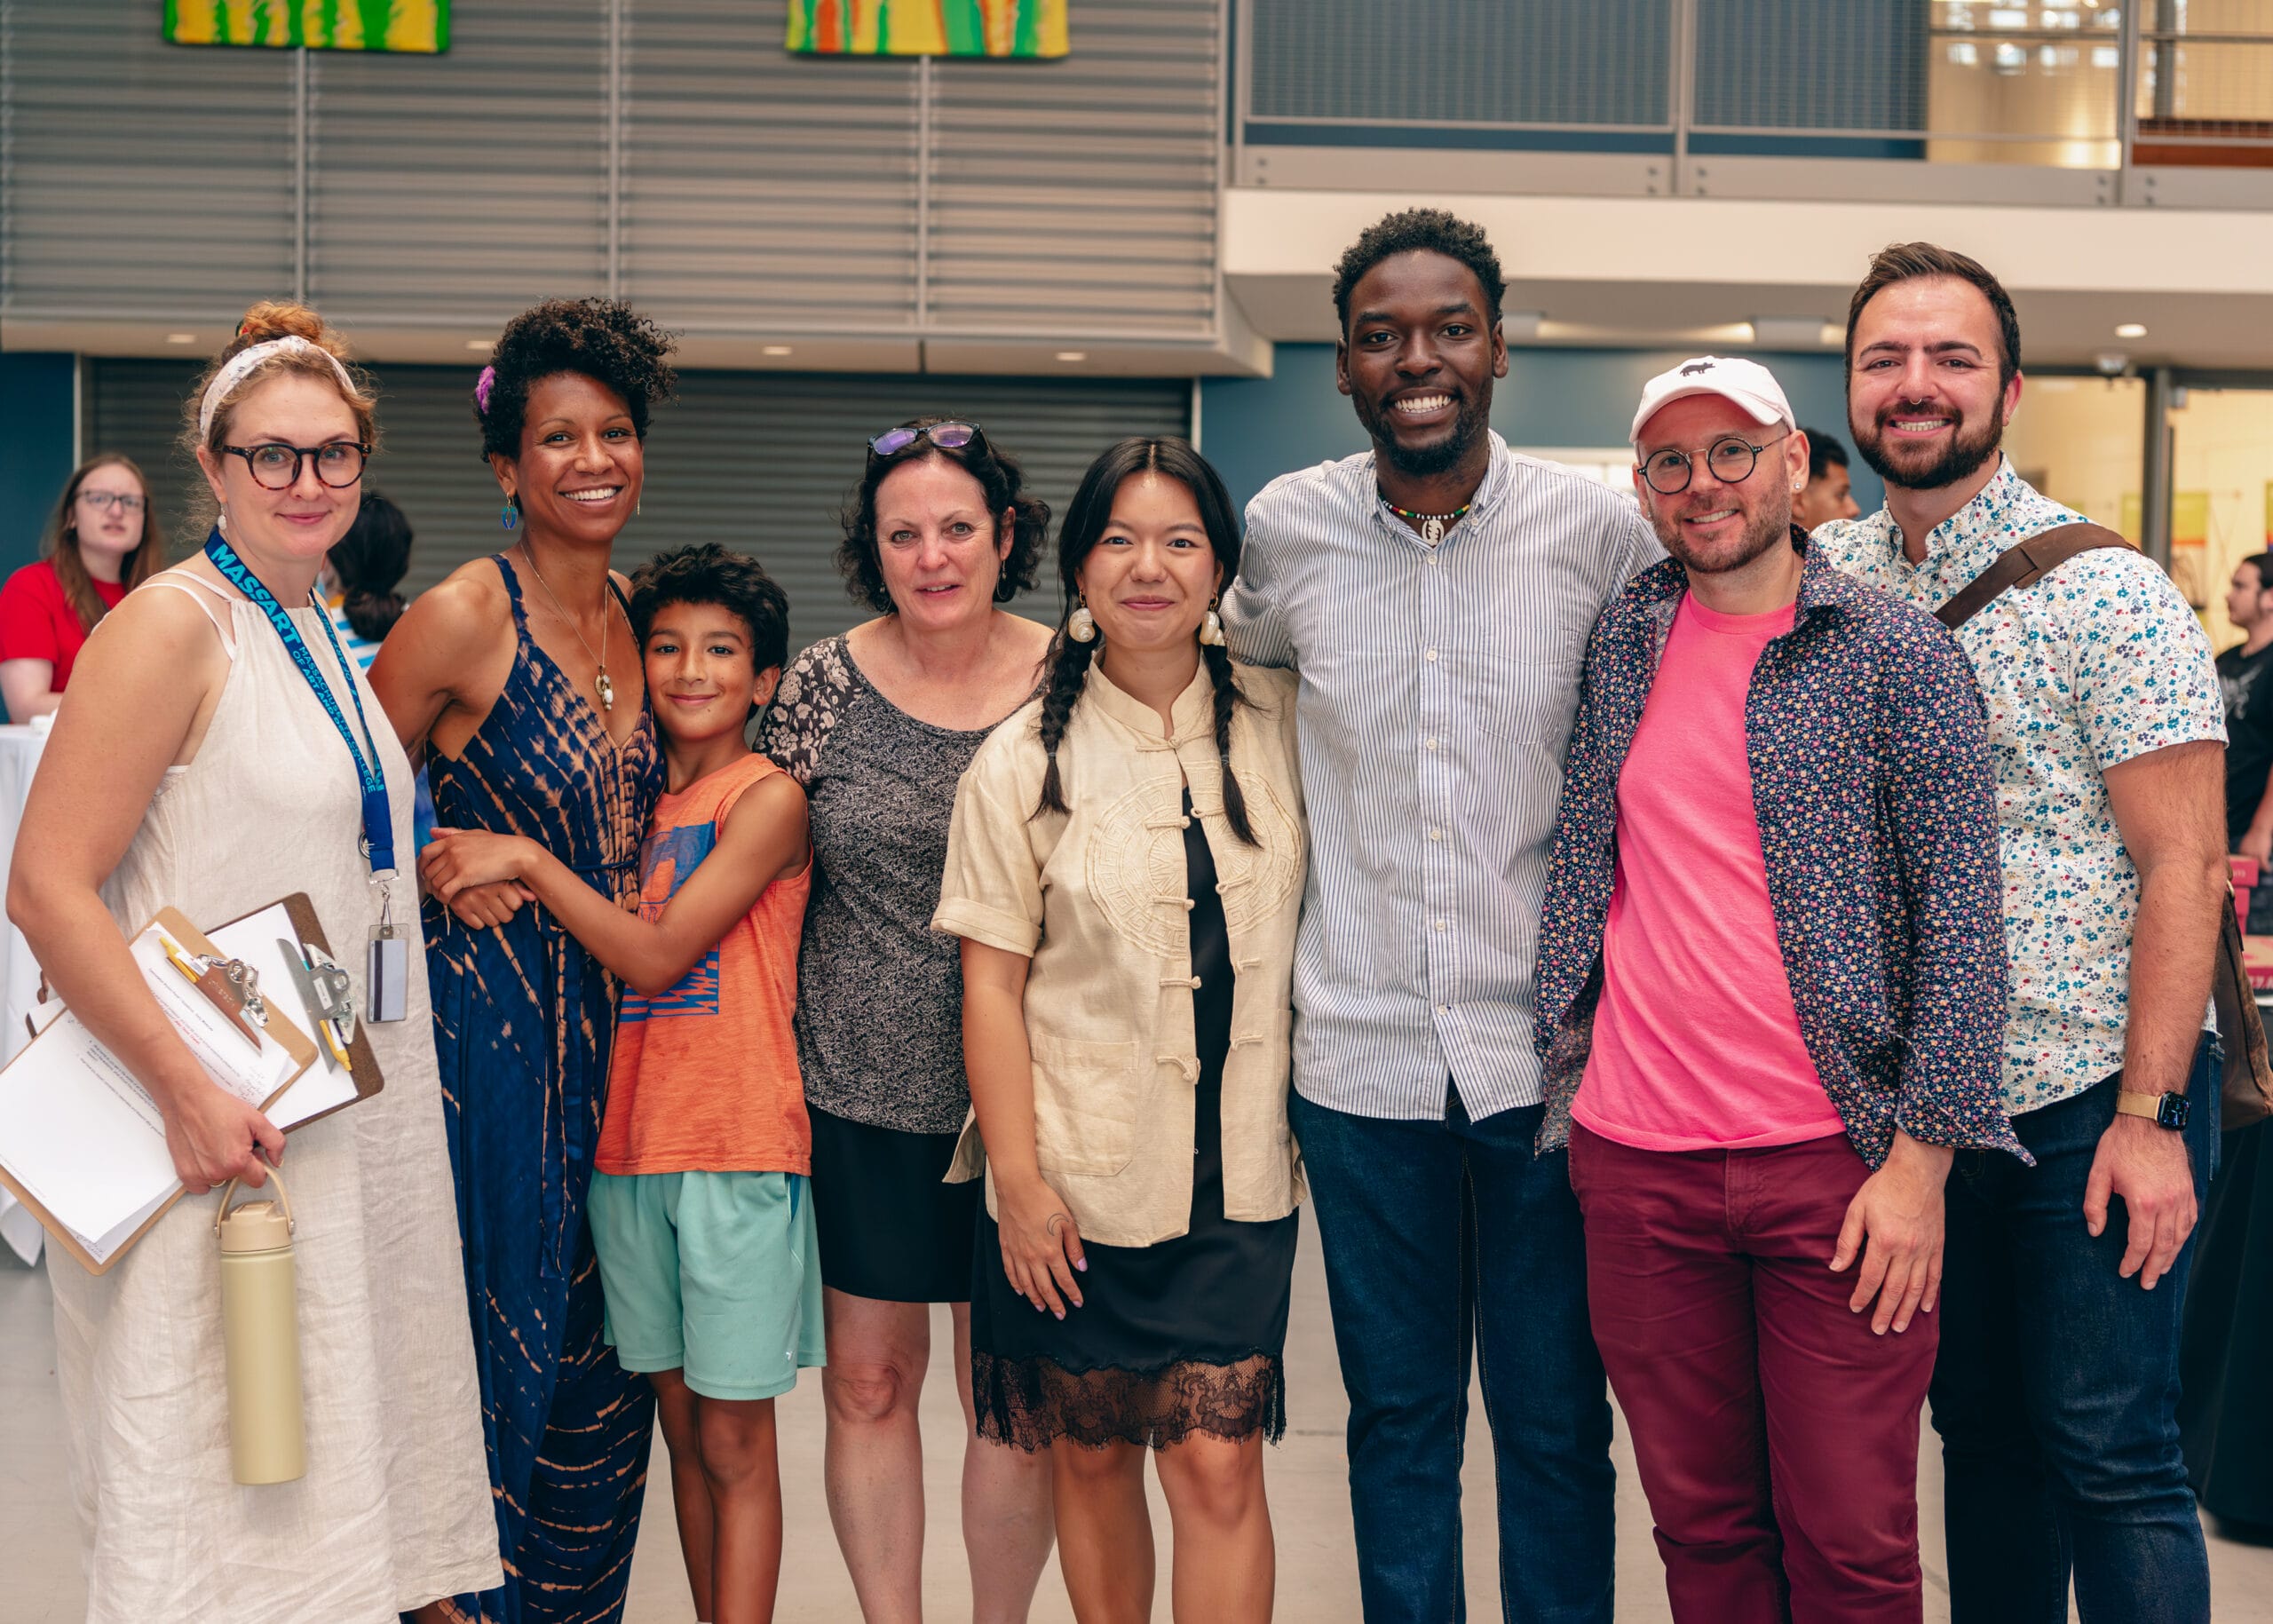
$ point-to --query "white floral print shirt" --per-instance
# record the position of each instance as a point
(2099, 662)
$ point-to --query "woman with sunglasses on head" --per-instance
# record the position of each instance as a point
(1125, 869)
(521, 679)
(877, 725)
(221, 751)
(103, 542)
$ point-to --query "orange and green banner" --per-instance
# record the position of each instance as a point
(929, 28)
(327, 25)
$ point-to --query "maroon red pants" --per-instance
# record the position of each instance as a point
(1777, 1436)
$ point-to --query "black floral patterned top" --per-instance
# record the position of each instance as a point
(879, 993)
(1869, 750)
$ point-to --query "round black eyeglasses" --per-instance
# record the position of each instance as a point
(1730, 460)
(277, 468)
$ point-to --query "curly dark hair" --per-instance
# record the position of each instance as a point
(1431, 229)
(999, 476)
(1085, 525)
(708, 574)
(604, 339)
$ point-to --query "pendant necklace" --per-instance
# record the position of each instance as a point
(606, 688)
(1431, 526)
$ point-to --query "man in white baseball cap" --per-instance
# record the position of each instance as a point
(1770, 1006)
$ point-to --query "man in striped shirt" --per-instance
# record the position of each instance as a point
(1435, 595)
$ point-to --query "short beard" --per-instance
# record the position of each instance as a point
(1961, 459)
(1427, 462)
(1766, 529)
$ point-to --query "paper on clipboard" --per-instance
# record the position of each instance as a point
(82, 1143)
(261, 940)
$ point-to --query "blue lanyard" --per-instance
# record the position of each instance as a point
(378, 818)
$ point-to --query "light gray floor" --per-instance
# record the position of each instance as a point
(1317, 1561)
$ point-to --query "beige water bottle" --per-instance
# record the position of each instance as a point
(260, 1331)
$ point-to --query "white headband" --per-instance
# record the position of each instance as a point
(241, 367)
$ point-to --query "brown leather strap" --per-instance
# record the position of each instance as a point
(2024, 563)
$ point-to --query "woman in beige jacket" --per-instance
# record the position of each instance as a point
(1125, 868)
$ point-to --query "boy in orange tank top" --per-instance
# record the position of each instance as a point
(700, 1213)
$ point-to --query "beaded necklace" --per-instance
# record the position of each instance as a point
(1431, 526)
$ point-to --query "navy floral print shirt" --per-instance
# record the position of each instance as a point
(1870, 779)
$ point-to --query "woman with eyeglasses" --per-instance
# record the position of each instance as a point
(520, 679)
(103, 542)
(221, 750)
(1124, 870)
(878, 725)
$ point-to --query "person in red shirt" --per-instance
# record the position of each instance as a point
(104, 542)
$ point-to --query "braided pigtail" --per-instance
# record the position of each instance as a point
(1227, 697)
(1069, 671)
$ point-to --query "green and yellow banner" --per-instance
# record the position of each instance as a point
(929, 28)
(326, 25)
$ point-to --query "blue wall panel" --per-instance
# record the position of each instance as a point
(1257, 429)
(37, 401)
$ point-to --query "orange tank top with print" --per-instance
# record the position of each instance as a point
(704, 1077)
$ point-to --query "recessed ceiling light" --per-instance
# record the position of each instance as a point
(1072, 355)
(780, 349)
(2131, 329)
(481, 346)
(181, 338)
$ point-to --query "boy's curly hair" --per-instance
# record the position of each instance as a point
(708, 574)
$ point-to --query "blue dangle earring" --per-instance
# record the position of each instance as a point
(511, 515)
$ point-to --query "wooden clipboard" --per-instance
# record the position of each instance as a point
(362, 1065)
(280, 1026)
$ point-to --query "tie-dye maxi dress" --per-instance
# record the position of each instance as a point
(523, 1021)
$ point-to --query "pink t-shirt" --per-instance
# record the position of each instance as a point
(1697, 1044)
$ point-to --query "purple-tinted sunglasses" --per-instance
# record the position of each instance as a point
(949, 436)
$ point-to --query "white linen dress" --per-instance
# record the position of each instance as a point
(395, 1508)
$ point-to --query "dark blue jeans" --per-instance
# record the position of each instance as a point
(1439, 1236)
(2056, 1390)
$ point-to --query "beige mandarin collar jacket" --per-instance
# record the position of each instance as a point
(1098, 899)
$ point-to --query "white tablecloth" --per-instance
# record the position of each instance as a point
(19, 750)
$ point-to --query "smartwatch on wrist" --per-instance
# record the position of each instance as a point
(2164, 1109)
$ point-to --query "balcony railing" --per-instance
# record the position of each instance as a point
(2154, 101)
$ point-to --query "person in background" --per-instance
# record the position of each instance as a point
(878, 725)
(1826, 496)
(2245, 677)
(520, 679)
(361, 575)
(1124, 871)
(2055, 1391)
(104, 541)
(701, 1204)
(358, 584)
(1434, 595)
(1777, 852)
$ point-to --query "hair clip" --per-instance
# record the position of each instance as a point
(482, 386)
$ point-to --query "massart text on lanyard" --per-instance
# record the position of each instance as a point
(387, 982)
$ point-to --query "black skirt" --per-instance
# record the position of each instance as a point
(888, 1228)
(1186, 1335)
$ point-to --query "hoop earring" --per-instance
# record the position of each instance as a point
(510, 515)
(1080, 625)
(1211, 630)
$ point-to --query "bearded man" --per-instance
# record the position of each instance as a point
(2056, 1387)
(1772, 997)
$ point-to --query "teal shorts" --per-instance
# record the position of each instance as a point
(716, 1275)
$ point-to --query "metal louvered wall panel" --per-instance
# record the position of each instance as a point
(1803, 65)
(1574, 62)
(140, 180)
(760, 462)
(759, 188)
(464, 186)
(1078, 195)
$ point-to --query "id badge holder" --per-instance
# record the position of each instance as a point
(386, 982)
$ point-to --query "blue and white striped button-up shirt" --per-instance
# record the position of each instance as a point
(1437, 686)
